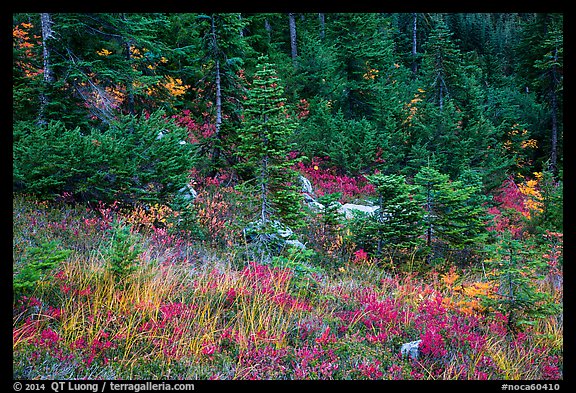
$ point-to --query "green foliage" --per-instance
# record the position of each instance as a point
(122, 252)
(454, 211)
(296, 259)
(365, 50)
(552, 215)
(37, 262)
(517, 269)
(264, 147)
(396, 225)
(350, 144)
(130, 161)
(330, 214)
(442, 64)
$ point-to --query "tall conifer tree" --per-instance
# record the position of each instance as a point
(396, 225)
(454, 212)
(264, 148)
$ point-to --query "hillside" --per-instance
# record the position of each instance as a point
(239, 196)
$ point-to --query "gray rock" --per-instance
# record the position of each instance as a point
(277, 234)
(315, 206)
(308, 198)
(306, 185)
(188, 192)
(295, 243)
(283, 231)
(349, 209)
(411, 349)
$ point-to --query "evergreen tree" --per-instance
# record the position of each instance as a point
(27, 63)
(541, 52)
(105, 64)
(454, 214)
(129, 162)
(223, 51)
(264, 147)
(396, 225)
(516, 270)
(365, 50)
(442, 65)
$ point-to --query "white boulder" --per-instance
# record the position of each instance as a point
(349, 209)
(411, 349)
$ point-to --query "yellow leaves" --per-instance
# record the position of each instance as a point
(478, 289)
(529, 144)
(175, 86)
(135, 53)
(22, 41)
(450, 278)
(534, 200)
(412, 107)
(19, 34)
(467, 296)
(148, 217)
(517, 140)
(371, 74)
(104, 52)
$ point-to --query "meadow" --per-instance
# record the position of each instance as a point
(125, 294)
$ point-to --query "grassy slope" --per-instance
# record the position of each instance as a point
(193, 312)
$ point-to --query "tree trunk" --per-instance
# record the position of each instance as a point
(264, 213)
(46, 23)
(553, 166)
(441, 94)
(241, 29)
(414, 53)
(130, 82)
(216, 152)
(268, 27)
(322, 25)
(293, 44)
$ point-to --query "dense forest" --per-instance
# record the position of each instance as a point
(287, 195)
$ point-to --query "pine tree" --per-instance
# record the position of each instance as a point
(454, 212)
(27, 63)
(396, 225)
(365, 50)
(551, 69)
(223, 50)
(105, 64)
(264, 147)
(442, 65)
(515, 270)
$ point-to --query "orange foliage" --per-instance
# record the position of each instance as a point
(412, 107)
(151, 216)
(22, 41)
(534, 200)
(466, 297)
(371, 73)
